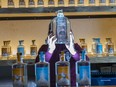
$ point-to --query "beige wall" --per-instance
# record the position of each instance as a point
(37, 29)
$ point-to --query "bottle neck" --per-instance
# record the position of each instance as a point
(83, 56)
(62, 56)
(33, 42)
(19, 58)
(42, 57)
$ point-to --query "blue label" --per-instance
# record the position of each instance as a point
(20, 50)
(99, 48)
(42, 73)
(84, 75)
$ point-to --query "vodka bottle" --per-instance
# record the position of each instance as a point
(33, 49)
(109, 47)
(42, 72)
(19, 72)
(60, 27)
(21, 48)
(83, 45)
(83, 72)
(62, 72)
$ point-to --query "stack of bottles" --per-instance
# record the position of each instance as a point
(96, 47)
(57, 3)
(62, 69)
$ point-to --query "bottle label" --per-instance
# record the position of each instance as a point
(99, 49)
(61, 32)
(110, 49)
(63, 76)
(18, 77)
(21, 50)
(33, 50)
(42, 76)
(84, 75)
(4, 52)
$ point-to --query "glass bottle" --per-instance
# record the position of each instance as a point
(42, 72)
(21, 48)
(71, 1)
(6, 49)
(33, 48)
(83, 44)
(31, 2)
(19, 72)
(51, 2)
(109, 47)
(9, 48)
(83, 72)
(60, 2)
(21, 2)
(40, 2)
(60, 27)
(62, 72)
(94, 46)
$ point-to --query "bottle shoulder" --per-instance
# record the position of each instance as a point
(83, 62)
(40, 63)
(19, 65)
(62, 63)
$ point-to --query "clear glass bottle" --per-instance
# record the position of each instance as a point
(21, 2)
(83, 44)
(40, 2)
(50, 2)
(6, 49)
(21, 48)
(60, 2)
(33, 48)
(109, 47)
(83, 72)
(60, 26)
(19, 72)
(42, 72)
(62, 72)
(71, 1)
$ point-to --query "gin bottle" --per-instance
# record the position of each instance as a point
(60, 27)
(21, 48)
(33, 49)
(19, 72)
(109, 47)
(83, 72)
(42, 72)
(83, 44)
(62, 72)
